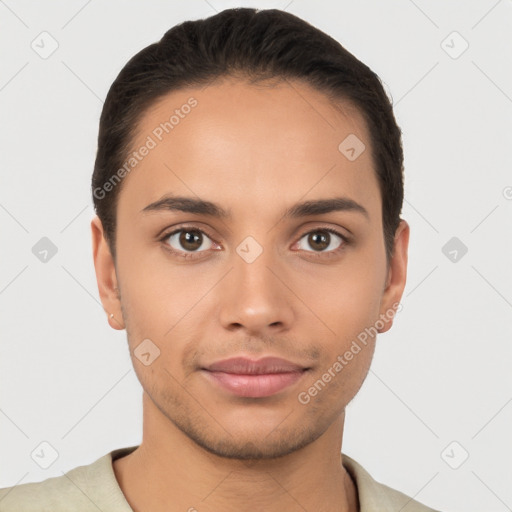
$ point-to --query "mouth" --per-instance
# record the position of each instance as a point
(249, 378)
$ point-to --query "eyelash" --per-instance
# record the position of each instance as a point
(192, 255)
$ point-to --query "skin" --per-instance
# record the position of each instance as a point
(255, 150)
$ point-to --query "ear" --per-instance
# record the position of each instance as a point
(396, 278)
(106, 276)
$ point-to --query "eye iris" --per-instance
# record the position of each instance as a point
(320, 239)
(191, 240)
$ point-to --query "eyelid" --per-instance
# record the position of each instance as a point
(335, 231)
(168, 231)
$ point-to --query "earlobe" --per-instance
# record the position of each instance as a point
(115, 323)
(396, 278)
(106, 276)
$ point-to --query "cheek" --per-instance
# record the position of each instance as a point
(346, 354)
(347, 301)
(164, 303)
(155, 292)
(349, 307)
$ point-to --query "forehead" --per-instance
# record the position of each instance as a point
(240, 143)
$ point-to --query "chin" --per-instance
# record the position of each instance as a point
(252, 445)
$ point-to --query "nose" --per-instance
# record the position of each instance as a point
(256, 298)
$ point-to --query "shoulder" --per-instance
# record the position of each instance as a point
(84, 488)
(374, 495)
(53, 494)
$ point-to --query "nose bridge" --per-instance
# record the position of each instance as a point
(256, 298)
(252, 270)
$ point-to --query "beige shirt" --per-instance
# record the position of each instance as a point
(93, 488)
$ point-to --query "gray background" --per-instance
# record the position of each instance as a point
(440, 385)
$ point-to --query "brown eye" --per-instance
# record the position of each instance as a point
(188, 240)
(319, 240)
(322, 239)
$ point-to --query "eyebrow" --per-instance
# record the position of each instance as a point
(304, 209)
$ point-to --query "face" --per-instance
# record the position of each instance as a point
(266, 279)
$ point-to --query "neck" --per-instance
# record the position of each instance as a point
(170, 472)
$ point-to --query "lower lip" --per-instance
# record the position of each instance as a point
(254, 386)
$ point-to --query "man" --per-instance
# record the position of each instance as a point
(248, 185)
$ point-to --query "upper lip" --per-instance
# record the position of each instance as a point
(244, 365)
